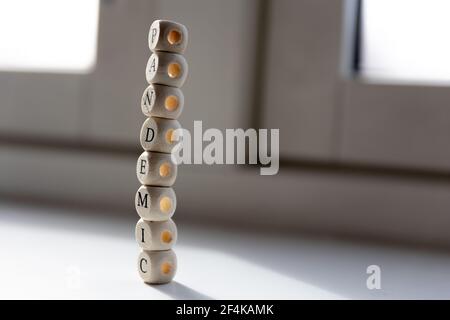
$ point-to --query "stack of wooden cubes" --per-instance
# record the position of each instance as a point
(162, 103)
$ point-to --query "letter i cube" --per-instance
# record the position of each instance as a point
(162, 103)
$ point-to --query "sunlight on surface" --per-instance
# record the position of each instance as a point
(237, 278)
(48, 35)
(406, 40)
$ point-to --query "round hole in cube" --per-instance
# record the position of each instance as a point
(170, 136)
(166, 236)
(174, 70)
(166, 267)
(164, 170)
(174, 37)
(171, 103)
(165, 204)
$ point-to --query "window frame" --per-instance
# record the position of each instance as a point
(391, 124)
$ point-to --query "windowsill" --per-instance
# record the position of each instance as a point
(213, 263)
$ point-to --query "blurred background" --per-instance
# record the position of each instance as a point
(359, 90)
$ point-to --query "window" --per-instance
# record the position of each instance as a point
(406, 40)
(48, 35)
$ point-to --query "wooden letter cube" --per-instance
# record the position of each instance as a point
(165, 68)
(156, 235)
(155, 203)
(158, 134)
(156, 169)
(165, 35)
(162, 101)
(157, 267)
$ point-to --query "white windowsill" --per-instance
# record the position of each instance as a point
(41, 248)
